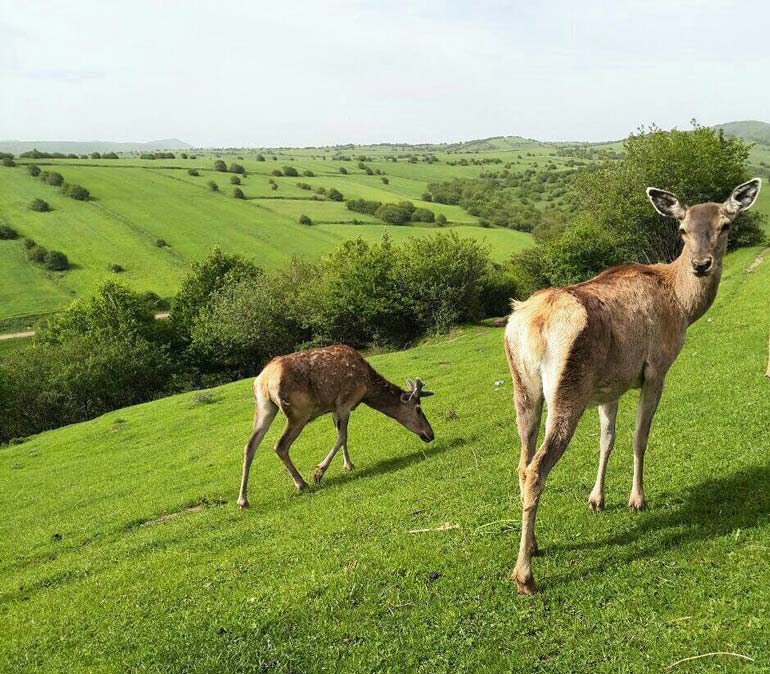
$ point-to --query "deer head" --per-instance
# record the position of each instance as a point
(411, 415)
(704, 227)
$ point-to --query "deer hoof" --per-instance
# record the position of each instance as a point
(637, 503)
(303, 486)
(596, 503)
(525, 586)
(350, 467)
(318, 474)
(243, 503)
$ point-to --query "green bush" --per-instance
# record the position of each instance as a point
(238, 193)
(343, 170)
(160, 243)
(385, 181)
(37, 254)
(193, 172)
(304, 186)
(116, 268)
(334, 194)
(213, 186)
(308, 173)
(52, 178)
(96, 155)
(55, 260)
(235, 180)
(39, 205)
(394, 214)
(363, 206)
(305, 220)
(290, 171)
(33, 170)
(8, 233)
(219, 165)
(441, 219)
(76, 192)
(423, 215)
(260, 157)
(277, 173)
(236, 168)
(8, 161)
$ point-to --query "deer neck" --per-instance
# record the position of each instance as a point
(694, 294)
(383, 396)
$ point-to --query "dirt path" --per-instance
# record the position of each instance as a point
(17, 335)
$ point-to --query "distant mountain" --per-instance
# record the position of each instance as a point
(83, 147)
(751, 131)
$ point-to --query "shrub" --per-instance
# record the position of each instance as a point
(53, 178)
(37, 254)
(274, 186)
(238, 193)
(96, 155)
(320, 190)
(235, 180)
(343, 170)
(213, 186)
(193, 172)
(29, 243)
(110, 155)
(423, 215)
(441, 219)
(394, 214)
(277, 172)
(219, 165)
(76, 192)
(55, 260)
(304, 186)
(308, 173)
(260, 157)
(160, 243)
(39, 205)
(236, 168)
(183, 155)
(8, 233)
(426, 196)
(115, 268)
(33, 170)
(305, 220)
(334, 194)
(290, 171)
(363, 206)
(385, 181)
(7, 161)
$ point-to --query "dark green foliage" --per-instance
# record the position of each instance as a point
(161, 243)
(52, 178)
(183, 155)
(305, 220)
(236, 168)
(441, 219)
(219, 165)
(343, 170)
(8, 162)
(213, 186)
(394, 214)
(235, 180)
(29, 243)
(96, 155)
(308, 173)
(277, 173)
(304, 186)
(290, 171)
(238, 193)
(8, 233)
(33, 170)
(423, 215)
(363, 206)
(116, 268)
(193, 172)
(274, 186)
(260, 157)
(39, 205)
(55, 260)
(334, 194)
(37, 253)
(76, 192)
(110, 155)
(385, 181)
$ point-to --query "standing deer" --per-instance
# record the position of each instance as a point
(591, 342)
(309, 384)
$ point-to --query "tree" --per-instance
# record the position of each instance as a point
(394, 214)
(343, 170)
(8, 161)
(441, 219)
(277, 173)
(96, 155)
(39, 205)
(235, 180)
(305, 220)
(213, 186)
(334, 194)
(193, 172)
(308, 173)
(8, 233)
(52, 178)
(76, 192)
(219, 165)
(33, 170)
(290, 171)
(238, 193)
(423, 215)
(236, 168)
(385, 181)
(55, 260)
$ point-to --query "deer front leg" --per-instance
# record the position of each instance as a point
(341, 422)
(289, 435)
(607, 414)
(648, 404)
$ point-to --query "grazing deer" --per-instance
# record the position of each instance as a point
(309, 384)
(591, 342)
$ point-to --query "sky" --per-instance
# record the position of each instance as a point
(296, 73)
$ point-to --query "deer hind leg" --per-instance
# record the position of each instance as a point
(648, 404)
(341, 424)
(290, 433)
(607, 414)
(263, 416)
(560, 425)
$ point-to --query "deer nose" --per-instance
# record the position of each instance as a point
(701, 266)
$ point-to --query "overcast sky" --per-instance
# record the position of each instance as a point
(285, 72)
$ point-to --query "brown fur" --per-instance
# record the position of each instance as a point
(331, 380)
(591, 342)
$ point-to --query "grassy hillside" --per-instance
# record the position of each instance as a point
(751, 131)
(137, 202)
(123, 549)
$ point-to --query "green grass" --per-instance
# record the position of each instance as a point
(92, 580)
(137, 202)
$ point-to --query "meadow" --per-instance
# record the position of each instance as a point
(123, 549)
(136, 203)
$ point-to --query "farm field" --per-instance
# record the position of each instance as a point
(137, 203)
(135, 557)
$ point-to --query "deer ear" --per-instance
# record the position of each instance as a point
(743, 196)
(666, 203)
(426, 394)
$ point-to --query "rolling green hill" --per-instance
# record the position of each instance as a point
(751, 131)
(123, 549)
(138, 202)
